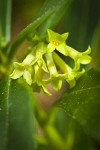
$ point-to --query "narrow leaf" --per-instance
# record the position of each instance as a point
(55, 17)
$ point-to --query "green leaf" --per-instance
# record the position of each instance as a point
(49, 8)
(71, 131)
(83, 103)
(96, 47)
(5, 19)
(53, 20)
(16, 116)
(80, 21)
(67, 130)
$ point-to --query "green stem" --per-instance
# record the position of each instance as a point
(49, 8)
(23, 34)
(61, 64)
(54, 137)
(5, 19)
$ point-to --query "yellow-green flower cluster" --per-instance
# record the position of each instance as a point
(43, 59)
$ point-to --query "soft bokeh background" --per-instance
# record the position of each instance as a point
(82, 21)
(24, 12)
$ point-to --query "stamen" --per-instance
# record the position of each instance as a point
(56, 42)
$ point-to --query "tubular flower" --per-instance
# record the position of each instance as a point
(37, 79)
(79, 57)
(42, 59)
(57, 41)
(24, 69)
(70, 74)
(39, 52)
(55, 78)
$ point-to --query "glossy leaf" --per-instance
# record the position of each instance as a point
(83, 103)
(16, 116)
(54, 19)
(46, 11)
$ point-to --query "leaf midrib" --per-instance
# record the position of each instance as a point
(7, 121)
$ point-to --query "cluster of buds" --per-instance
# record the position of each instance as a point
(43, 59)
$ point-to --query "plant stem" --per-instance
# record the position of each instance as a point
(24, 33)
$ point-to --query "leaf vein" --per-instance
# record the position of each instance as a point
(90, 88)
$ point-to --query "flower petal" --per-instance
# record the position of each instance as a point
(62, 49)
(16, 74)
(50, 64)
(88, 51)
(72, 83)
(19, 65)
(29, 59)
(45, 90)
(64, 36)
(27, 77)
(79, 73)
(44, 67)
(72, 52)
(85, 59)
(56, 83)
(51, 35)
(50, 48)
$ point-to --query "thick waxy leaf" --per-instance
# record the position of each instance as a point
(16, 116)
(83, 103)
